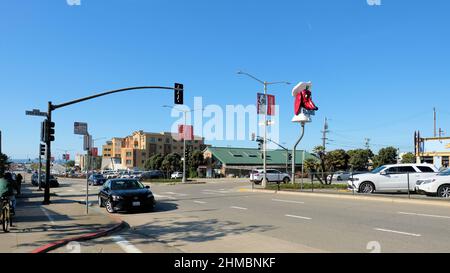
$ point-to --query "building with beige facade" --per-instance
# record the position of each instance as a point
(134, 150)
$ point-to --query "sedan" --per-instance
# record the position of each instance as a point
(96, 180)
(125, 195)
(177, 175)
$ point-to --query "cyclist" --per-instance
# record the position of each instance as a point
(7, 190)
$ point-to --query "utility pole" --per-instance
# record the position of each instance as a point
(434, 111)
(0, 142)
(367, 143)
(325, 132)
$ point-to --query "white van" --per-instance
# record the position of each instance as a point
(392, 178)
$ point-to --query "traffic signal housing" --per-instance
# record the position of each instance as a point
(179, 93)
(47, 131)
(42, 149)
(290, 156)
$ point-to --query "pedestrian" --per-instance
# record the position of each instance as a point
(19, 180)
(8, 190)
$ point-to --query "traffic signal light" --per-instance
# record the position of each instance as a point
(290, 156)
(179, 93)
(259, 145)
(42, 149)
(47, 131)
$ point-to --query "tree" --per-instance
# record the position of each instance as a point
(195, 160)
(311, 165)
(70, 164)
(4, 163)
(385, 156)
(359, 159)
(320, 152)
(154, 162)
(335, 161)
(408, 158)
(171, 163)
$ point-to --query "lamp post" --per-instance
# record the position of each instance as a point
(184, 138)
(266, 84)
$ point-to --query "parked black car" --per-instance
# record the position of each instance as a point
(96, 180)
(53, 181)
(125, 195)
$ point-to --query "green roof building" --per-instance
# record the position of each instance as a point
(225, 161)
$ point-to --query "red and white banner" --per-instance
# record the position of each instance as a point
(271, 105)
(186, 132)
(94, 152)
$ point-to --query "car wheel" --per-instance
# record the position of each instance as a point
(367, 187)
(100, 202)
(286, 180)
(444, 191)
(109, 207)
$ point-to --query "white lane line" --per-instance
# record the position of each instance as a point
(288, 201)
(210, 193)
(398, 232)
(425, 215)
(125, 245)
(215, 191)
(199, 202)
(164, 197)
(174, 193)
(48, 216)
(240, 208)
(298, 217)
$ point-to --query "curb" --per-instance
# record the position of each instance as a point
(55, 245)
(352, 197)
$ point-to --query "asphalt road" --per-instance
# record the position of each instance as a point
(221, 217)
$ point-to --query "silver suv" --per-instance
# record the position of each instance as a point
(257, 176)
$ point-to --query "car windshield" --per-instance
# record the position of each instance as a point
(379, 169)
(126, 185)
(445, 173)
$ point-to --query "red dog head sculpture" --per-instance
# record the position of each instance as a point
(303, 98)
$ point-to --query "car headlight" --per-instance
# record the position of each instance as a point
(117, 198)
(150, 196)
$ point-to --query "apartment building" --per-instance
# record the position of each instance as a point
(136, 149)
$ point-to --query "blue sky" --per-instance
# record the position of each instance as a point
(378, 71)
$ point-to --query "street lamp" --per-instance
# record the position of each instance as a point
(184, 138)
(266, 84)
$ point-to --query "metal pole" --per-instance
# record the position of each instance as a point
(409, 192)
(40, 169)
(294, 152)
(87, 179)
(48, 161)
(303, 169)
(184, 148)
(0, 142)
(264, 183)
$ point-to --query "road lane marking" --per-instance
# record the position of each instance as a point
(163, 197)
(398, 232)
(425, 215)
(125, 245)
(199, 202)
(298, 217)
(288, 201)
(174, 193)
(239, 208)
(48, 216)
(215, 191)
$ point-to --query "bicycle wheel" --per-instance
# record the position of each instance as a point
(5, 220)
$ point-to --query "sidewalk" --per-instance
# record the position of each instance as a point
(36, 225)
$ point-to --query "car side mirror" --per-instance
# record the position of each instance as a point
(147, 187)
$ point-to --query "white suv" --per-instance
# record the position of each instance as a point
(257, 176)
(392, 178)
(438, 185)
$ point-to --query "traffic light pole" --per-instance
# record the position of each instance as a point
(51, 107)
(184, 145)
(40, 167)
(48, 143)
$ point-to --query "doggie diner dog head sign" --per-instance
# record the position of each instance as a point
(304, 107)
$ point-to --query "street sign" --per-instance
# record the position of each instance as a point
(80, 128)
(36, 112)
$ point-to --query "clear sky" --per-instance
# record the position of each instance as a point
(378, 71)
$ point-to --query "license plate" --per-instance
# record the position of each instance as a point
(136, 204)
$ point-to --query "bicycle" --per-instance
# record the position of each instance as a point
(5, 216)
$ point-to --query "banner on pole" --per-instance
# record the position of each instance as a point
(186, 132)
(262, 104)
(271, 105)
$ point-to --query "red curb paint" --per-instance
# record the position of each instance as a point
(86, 237)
